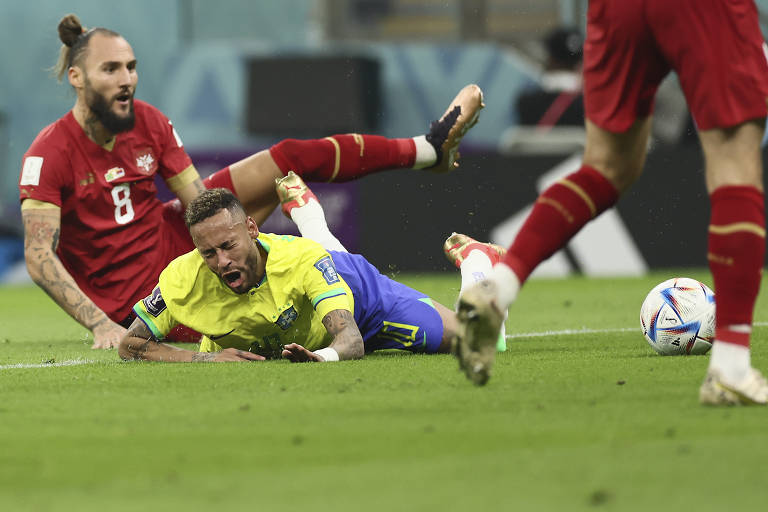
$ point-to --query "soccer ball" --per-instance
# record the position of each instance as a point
(678, 317)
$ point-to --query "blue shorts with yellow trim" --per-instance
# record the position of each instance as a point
(389, 314)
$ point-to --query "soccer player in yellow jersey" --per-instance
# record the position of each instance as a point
(256, 296)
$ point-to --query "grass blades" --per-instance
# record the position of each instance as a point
(580, 414)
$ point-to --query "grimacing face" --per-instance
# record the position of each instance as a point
(109, 81)
(225, 241)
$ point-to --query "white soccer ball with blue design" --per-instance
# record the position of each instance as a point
(678, 317)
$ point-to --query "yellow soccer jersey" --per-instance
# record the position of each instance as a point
(300, 287)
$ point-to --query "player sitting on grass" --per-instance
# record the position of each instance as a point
(270, 296)
(95, 234)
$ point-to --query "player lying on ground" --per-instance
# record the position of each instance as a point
(256, 295)
(718, 52)
(97, 237)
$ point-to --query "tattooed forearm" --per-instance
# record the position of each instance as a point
(41, 237)
(60, 286)
(203, 357)
(347, 340)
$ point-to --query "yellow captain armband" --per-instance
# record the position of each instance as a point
(182, 179)
(34, 204)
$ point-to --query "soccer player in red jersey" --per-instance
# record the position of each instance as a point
(97, 237)
(719, 54)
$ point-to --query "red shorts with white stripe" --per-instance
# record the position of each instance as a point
(715, 46)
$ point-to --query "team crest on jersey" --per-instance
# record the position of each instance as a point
(287, 317)
(114, 173)
(145, 161)
(326, 267)
(155, 303)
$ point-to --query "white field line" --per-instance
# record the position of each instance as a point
(564, 332)
(72, 362)
(585, 330)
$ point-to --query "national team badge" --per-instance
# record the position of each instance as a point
(286, 318)
(145, 161)
(114, 173)
(325, 266)
(155, 303)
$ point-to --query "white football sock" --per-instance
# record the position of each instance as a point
(426, 156)
(476, 267)
(507, 283)
(731, 360)
(310, 219)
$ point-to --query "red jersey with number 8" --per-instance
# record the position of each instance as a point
(113, 239)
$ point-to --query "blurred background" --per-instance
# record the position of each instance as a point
(236, 76)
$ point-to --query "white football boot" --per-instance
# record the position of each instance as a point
(479, 323)
(752, 390)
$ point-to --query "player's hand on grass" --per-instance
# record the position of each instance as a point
(295, 353)
(235, 355)
(107, 335)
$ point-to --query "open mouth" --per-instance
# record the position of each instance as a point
(233, 278)
(124, 98)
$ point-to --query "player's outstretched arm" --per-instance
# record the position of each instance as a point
(347, 341)
(139, 344)
(41, 237)
(190, 191)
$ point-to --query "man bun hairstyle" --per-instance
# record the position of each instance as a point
(209, 203)
(75, 38)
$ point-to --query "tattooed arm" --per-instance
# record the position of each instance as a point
(190, 191)
(347, 340)
(138, 343)
(42, 222)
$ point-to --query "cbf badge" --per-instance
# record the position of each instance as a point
(286, 318)
(325, 266)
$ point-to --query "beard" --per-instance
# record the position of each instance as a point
(248, 273)
(101, 108)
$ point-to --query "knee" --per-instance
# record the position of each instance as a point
(621, 176)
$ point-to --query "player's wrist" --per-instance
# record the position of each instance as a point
(328, 354)
(101, 322)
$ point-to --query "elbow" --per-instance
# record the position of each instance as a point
(358, 349)
(33, 268)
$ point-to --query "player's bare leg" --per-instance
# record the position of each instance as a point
(480, 330)
(450, 327)
(735, 253)
(254, 181)
(619, 157)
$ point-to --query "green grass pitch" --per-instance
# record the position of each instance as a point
(579, 415)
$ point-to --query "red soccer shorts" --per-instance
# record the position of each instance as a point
(715, 46)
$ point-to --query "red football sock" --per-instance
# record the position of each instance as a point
(342, 157)
(220, 179)
(736, 254)
(559, 213)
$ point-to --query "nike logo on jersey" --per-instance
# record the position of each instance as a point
(214, 337)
